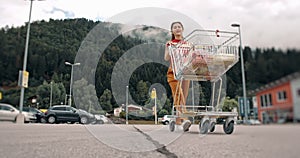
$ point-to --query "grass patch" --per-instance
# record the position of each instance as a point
(144, 122)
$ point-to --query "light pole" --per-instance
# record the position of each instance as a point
(20, 117)
(243, 72)
(126, 109)
(71, 81)
(51, 84)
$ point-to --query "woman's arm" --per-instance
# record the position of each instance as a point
(167, 55)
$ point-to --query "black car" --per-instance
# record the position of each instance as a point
(65, 113)
(40, 116)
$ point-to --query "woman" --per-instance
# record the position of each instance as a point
(179, 93)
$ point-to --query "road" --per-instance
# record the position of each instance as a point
(147, 141)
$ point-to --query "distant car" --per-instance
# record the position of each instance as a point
(253, 122)
(249, 122)
(40, 116)
(167, 119)
(10, 113)
(65, 113)
(239, 122)
(101, 119)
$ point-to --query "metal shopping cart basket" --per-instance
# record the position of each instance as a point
(204, 55)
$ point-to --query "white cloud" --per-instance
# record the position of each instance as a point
(265, 23)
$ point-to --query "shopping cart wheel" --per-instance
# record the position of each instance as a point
(186, 125)
(228, 127)
(204, 127)
(212, 127)
(172, 126)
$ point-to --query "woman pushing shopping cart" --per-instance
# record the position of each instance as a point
(201, 56)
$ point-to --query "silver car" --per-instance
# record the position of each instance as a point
(101, 119)
(167, 119)
(10, 113)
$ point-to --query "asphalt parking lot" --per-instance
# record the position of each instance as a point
(109, 140)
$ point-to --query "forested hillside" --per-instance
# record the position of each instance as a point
(55, 41)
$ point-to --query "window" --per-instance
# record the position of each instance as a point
(270, 100)
(60, 108)
(34, 111)
(4, 108)
(25, 109)
(266, 100)
(262, 101)
(170, 116)
(281, 95)
(70, 109)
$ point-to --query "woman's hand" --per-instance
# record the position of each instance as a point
(169, 43)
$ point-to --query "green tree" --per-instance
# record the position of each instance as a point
(44, 91)
(142, 94)
(229, 104)
(105, 100)
(85, 97)
(163, 112)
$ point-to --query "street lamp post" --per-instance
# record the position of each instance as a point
(71, 81)
(20, 117)
(243, 73)
(51, 86)
(126, 109)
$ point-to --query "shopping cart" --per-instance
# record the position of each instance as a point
(205, 55)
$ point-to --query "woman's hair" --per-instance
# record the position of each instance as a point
(177, 22)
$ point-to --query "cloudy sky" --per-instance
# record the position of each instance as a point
(264, 23)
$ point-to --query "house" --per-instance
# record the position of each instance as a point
(117, 111)
(279, 101)
(131, 108)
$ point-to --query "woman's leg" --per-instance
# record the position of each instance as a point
(185, 90)
(177, 94)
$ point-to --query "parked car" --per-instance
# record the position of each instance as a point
(249, 122)
(85, 117)
(10, 113)
(65, 113)
(101, 119)
(166, 119)
(253, 122)
(40, 116)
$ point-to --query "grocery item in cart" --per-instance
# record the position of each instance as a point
(208, 63)
(202, 63)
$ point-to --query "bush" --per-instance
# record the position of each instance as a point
(122, 114)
